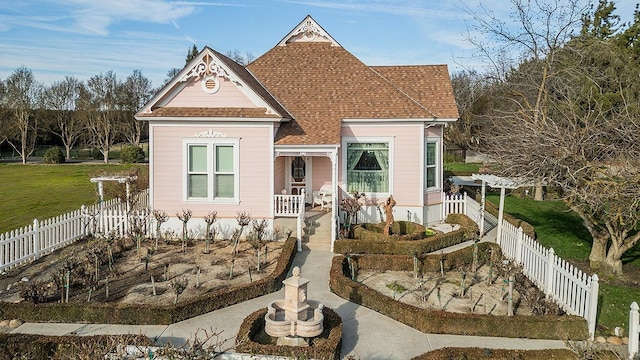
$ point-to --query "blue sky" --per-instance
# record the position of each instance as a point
(83, 38)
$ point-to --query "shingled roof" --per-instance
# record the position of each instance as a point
(321, 84)
(429, 85)
(313, 84)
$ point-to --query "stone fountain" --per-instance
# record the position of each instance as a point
(295, 319)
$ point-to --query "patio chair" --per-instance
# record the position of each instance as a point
(323, 197)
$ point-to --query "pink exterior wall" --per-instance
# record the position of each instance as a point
(227, 96)
(279, 176)
(434, 131)
(255, 160)
(321, 172)
(407, 152)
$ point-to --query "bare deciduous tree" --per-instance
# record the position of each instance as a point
(22, 94)
(473, 97)
(102, 104)
(136, 92)
(577, 130)
(236, 56)
(539, 30)
(62, 97)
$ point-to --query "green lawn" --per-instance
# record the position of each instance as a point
(43, 191)
(459, 167)
(561, 229)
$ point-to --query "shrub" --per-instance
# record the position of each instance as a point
(132, 154)
(110, 313)
(53, 155)
(96, 154)
(441, 322)
(326, 346)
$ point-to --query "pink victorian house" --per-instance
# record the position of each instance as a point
(307, 122)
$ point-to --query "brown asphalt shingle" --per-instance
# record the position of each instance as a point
(320, 85)
(429, 85)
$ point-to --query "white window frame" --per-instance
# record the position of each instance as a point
(437, 165)
(211, 147)
(367, 140)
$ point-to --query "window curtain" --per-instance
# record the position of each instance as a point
(368, 180)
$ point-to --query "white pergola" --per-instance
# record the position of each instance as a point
(121, 179)
(496, 182)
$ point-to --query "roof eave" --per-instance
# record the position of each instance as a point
(209, 119)
(396, 120)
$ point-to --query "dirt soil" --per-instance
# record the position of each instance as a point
(478, 296)
(128, 279)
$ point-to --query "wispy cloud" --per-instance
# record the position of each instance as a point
(206, 3)
(91, 17)
(383, 7)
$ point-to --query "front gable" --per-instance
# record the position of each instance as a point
(213, 86)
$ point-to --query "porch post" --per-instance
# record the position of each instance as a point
(484, 192)
(500, 215)
(334, 201)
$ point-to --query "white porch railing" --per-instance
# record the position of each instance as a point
(573, 290)
(288, 205)
(291, 206)
(634, 330)
(42, 237)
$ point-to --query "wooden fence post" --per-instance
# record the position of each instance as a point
(593, 305)
(518, 254)
(36, 238)
(549, 278)
(633, 330)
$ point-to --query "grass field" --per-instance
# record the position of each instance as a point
(42, 191)
(459, 167)
(561, 229)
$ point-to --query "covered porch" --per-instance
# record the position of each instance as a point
(306, 180)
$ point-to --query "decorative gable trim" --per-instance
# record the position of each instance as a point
(210, 67)
(308, 31)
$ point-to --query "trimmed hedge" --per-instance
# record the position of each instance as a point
(496, 354)
(27, 346)
(368, 231)
(326, 346)
(108, 313)
(442, 322)
(426, 263)
(468, 231)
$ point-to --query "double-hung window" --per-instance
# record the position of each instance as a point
(368, 167)
(431, 165)
(211, 170)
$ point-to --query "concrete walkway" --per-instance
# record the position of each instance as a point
(366, 333)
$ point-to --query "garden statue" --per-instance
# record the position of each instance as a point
(388, 212)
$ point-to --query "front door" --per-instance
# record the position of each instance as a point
(300, 176)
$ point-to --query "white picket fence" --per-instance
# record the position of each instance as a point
(42, 237)
(634, 330)
(573, 290)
